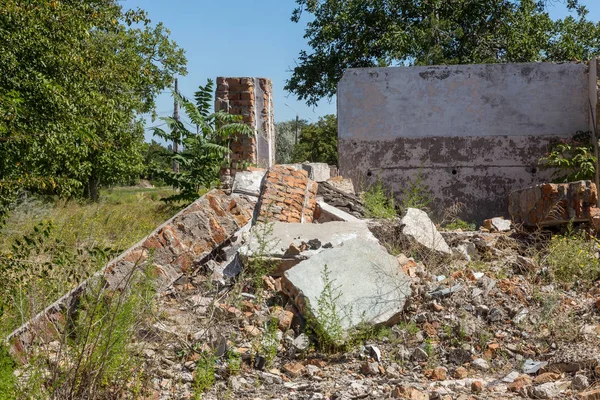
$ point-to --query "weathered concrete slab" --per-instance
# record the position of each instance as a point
(326, 213)
(248, 182)
(368, 284)
(318, 172)
(283, 235)
(420, 228)
(343, 200)
(553, 204)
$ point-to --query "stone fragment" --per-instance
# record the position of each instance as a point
(548, 390)
(498, 224)
(342, 184)
(460, 373)
(419, 354)
(318, 172)
(293, 369)
(439, 373)
(546, 377)
(248, 182)
(404, 392)
(480, 364)
(422, 230)
(370, 368)
(252, 330)
(531, 367)
(476, 387)
(284, 318)
(580, 382)
(367, 285)
(302, 342)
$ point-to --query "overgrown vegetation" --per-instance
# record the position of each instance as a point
(95, 354)
(318, 142)
(205, 374)
(460, 224)
(572, 160)
(378, 203)
(206, 151)
(7, 377)
(40, 261)
(416, 194)
(572, 257)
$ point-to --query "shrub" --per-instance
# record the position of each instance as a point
(416, 194)
(460, 224)
(378, 204)
(7, 377)
(572, 257)
(573, 159)
(204, 375)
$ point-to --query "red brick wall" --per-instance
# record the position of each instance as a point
(288, 196)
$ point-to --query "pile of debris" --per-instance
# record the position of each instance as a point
(407, 311)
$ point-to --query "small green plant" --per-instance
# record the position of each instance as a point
(325, 322)
(460, 224)
(416, 194)
(410, 327)
(234, 362)
(378, 204)
(573, 159)
(572, 257)
(267, 345)
(260, 264)
(7, 377)
(204, 375)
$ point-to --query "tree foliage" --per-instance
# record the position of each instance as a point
(367, 33)
(285, 139)
(74, 77)
(205, 150)
(318, 142)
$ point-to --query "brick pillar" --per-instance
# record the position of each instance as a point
(252, 98)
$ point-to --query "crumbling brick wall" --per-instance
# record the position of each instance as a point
(288, 195)
(252, 98)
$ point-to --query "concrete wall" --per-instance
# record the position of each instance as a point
(473, 132)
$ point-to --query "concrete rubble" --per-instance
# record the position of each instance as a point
(441, 314)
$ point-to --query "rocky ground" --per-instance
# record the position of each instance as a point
(483, 323)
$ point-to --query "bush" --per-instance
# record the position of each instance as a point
(416, 194)
(7, 377)
(573, 159)
(572, 257)
(377, 202)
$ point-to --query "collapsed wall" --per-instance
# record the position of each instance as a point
(472, 133)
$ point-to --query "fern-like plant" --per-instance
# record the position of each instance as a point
(205, 151)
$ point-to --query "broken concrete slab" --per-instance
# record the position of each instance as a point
(274, 239)
(342, 184)
(498, 224)
(418, 226)
(318, 172)
(368, 285)
(326, 213)
(347, 202)
(248, 182)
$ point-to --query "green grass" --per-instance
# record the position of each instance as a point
(49, 246)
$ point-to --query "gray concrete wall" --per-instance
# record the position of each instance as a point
(473, 132)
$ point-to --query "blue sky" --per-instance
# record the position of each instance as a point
(248, 38)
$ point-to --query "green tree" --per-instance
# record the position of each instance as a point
(74, 78)
(285, 139)
(367, 33)
(318, 142)
(205, 150)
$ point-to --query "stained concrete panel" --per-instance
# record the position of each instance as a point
(473, 132)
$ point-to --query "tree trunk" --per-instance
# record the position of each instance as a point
(93, 189)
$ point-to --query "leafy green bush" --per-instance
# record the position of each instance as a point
(204, 376)
(572, 257)
(378, 204)
(573, 159)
